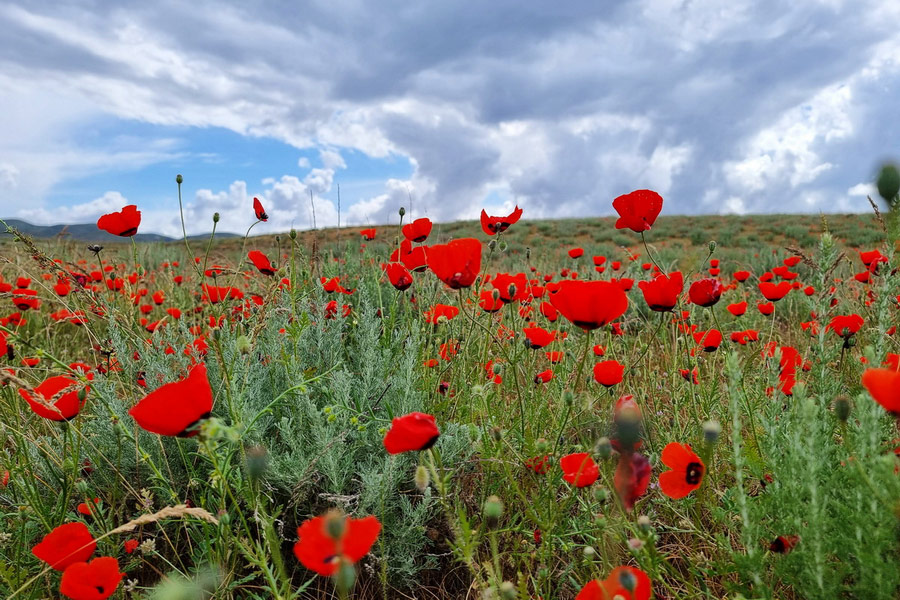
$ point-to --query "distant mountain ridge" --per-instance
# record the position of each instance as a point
(88, 232)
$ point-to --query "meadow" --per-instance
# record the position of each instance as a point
(678, 407)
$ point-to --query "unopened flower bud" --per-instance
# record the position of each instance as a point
(542, 446)
(492, 245)
(345, 576)
(243, 344)
(712, 246)
(497, 368)
(215, 217)
(888, 182)
(527, 253)
(842, 408)
(600, 494)
(422, 478)
(711, 431)
(603, 447)
(508, 591)
(293, 234)
(644, 523)
(503, 245)
(402, 211)
(335, 524)
(568, 397)
(493, 510)
(589, 552)
(496, 434)
(511, 290)
(179, 179)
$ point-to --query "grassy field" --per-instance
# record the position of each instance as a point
(547, 478)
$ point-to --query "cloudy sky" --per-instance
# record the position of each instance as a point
(733, 106)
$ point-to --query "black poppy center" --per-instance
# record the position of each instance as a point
(189, 431)
(693, 473)
(99, 589)
(430, 442)
(129, 232)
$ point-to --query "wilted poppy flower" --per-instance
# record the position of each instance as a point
(609, 372)
(67, 544)
(493, 225)
(845, 325)
(398, 275)
(661, 293)
(261, 262)
(67, 405)
(95, 580)
(368, 234)
(624, 582)
(319, 550)
(417, 231)
(632, 478)
(123, 223)
(884, 386)
(638, 210)
(457, 263)
(258, 209)
(774, 291)
(579, 469)
(176, 407)
(589, 304)
(686, 470)
(706, 292)
(415, 431)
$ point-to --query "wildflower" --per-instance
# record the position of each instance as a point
(538, 337)
(632, 477)
(329, 540)
(259, 211)
(66, 405)
(544, 376)
(457, 263)
(623, 582)
(368, 234)
(417, 231)
(398, 275)
(494, 225)
(123, 223)
(415, 431)
(738, 308)
(661, 293)
(579, 469)
(686, 473)
(261, 262)
(608, 372)
(590, 304)
(845, 325)
(884, 387)
(576, 253)
(774, 291)
(784, 543)
(66, 544)
(638, 210)
(706, 292)
(93, 580)
(176, 407)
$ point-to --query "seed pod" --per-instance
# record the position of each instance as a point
(179, 179)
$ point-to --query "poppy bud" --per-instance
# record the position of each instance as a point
(568, 397)
(257, 462)
(712, 246)
(82, 487)
(711, 431)
(402, 212)
(497, 368)
(589, 552)
(492, 245)
(215, 217)
(422, 478)
(511, 290)
(243, 344)
(842, 408)
(601, 495)
(508, 591)
(603, 447)
(179, 179)
(495, 294)
(493, 510)
(293, 234)
(335, 524)
(542, 446)
(888, 182)
(503, 245)
(346, 576)
(497, 434)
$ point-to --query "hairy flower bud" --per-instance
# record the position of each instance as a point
(422, 478)
(493, 510)
(842, 407)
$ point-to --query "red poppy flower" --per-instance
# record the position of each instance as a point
(579, 469)
(549, 312)
(413, 258)
(706, 292)
(845, 325)
(440, 310)
(318, 551)
(538, 337)
(784, 543)
(661, 293)
(576, 253)
(625, 582)
(457, 263)
(67, 405)
(765, 308)
(742, 275)
(632, 478)
(368, 234)
(123, 223)
(261, 262)
(511, 287)
(773, 291)
(884, 386)
(590, 304)
(493, 225)
(417, 231)
(710, 340)
(415, 431)
(26, 299)
(738, 308)
(131, 545)
(398, 274)
(258, 209)
(489, 301)
(67, 544)
(609, 372)
(95, 580)
(638, 210)
(544, 376)
(176, 407)
(686, 473)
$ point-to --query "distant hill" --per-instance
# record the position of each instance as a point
(88, 232)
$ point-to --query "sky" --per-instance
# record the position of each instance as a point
(443, 107)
